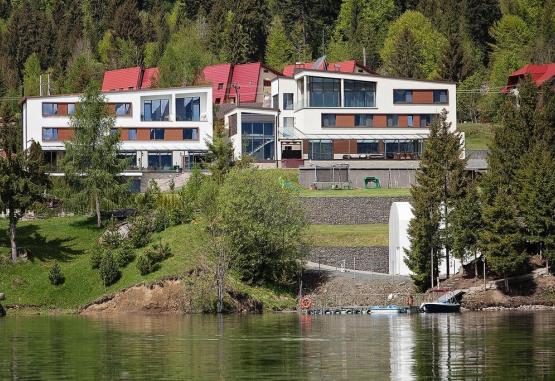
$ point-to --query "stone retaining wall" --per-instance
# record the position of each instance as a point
(348, 210)
(373, 258)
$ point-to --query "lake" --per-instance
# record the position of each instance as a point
(470, 345)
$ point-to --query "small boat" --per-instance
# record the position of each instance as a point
(440, 307)
(384, 310)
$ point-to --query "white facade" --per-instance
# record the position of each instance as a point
(334, 116)
(160, 129)
(400, 215)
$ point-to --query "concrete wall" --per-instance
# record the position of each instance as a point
(348, 210)
(389, 177)
(373, 258)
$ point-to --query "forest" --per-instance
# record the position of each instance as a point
(476, 43)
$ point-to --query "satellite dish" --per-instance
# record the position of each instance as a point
(319, 64)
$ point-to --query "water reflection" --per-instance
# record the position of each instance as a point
(280, 346)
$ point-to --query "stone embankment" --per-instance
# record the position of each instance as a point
(367, 258)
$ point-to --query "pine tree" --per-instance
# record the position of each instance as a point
(91, 163)
(220, 154)
(408, 56)
(279, 50)
(127, 23)
(235, 48)
(453, 61)
(31, 76)
(479, 16)
(439, 186)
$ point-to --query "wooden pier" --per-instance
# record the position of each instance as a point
(361, 310)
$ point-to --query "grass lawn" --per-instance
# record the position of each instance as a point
(349, 235)
(477, 135)
(68, 241)
(382, 192)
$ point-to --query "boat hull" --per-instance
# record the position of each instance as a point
(441, 307)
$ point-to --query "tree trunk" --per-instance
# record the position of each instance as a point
(12, 237)
(97, 207)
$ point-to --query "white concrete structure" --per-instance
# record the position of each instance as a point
(161, 129)
(323, 115)
(399, 217)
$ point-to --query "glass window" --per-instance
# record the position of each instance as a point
(160, 160)
(123, 109)
(156, 134)
(49, 134)
(258, 140)
(288, 101)
(71, 109)
(328, 120)
(187, 109)
(363, 120)
(275, 101)
(392, 121)
(410, 120)
(425, 120)
(324, 92)
(440, 96)
(156, 110)
(359, 93)
(132, 134)
(288, 127)
(49, 109)
(367, 147)
(190, 134)
(320, 150)
(402, 96)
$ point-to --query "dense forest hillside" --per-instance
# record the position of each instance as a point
(474, 42)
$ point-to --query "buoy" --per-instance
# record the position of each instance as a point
(306, 303)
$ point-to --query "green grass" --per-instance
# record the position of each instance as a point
(68, 241)
(382, 192)
(348, 235)
(477, 135)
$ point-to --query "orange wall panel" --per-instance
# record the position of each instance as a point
(143, 134)
(65, 134)
(402, 121)
(342, 146)
(416, 120)
(62, 109)
(343, 120)
(173, 134)
(380, 121)
(423, 96)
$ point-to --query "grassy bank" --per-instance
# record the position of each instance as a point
(477, 135)
(69, 241)
(349, 235)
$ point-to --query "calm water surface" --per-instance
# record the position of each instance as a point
(492, 345)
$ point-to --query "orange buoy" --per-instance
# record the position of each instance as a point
(306, 303)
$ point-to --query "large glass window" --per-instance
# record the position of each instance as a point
(190, 134)
(156, 134)
(425, 120)
(368, 147)
(324, 92)
(132, 134)
(49, 134)
(363, 120)
(403, 149)
(288, 127)
(288, 101)
(392, 121)
(187, 109)
(156, 110)
(49, 109)
(258, 140)
(123, 109)
(359, 93)
(402, 96)
(328, 120)
(440, 96)
(160, 160)
(320, 150)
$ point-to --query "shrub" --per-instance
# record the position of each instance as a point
(55, 275)
(111, 238)
(148, 261)
(96, 257)
(145, 264)
(123, 255)
(109, 272)
(139, 231)
(161, 220)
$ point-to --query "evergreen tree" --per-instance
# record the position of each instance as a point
(302, 51)
(279, 50)
(235, 48)
(127, 23)
(453, 61)
(439, 187)
(91, 163)
(82, 71)
(479, 16)
(31, 76)
(220, 154)
(22, 179)
(408, 56)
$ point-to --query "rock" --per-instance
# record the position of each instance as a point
(2, 296)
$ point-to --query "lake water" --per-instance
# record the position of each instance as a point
(487, 345)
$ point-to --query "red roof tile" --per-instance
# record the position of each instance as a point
(341, 66)
(150, 75)
(538, 73)
(218, 76)
(121, 79)
(246, 77)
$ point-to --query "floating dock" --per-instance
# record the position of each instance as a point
(362, 310)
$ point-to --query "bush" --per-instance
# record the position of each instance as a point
(146, 264)
(111, 238)
(139, 231)
(109, 272)
(96, 257)
(123, 255)
(55, 275)
(148, 261)
(162, 220)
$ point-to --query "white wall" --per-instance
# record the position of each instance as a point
(33, 121)
(399, 217)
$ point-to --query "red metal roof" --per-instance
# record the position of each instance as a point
(246, 77)
(538, 73)
(341, 66)
(150, 76)
(131, 78)
(218, 75)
